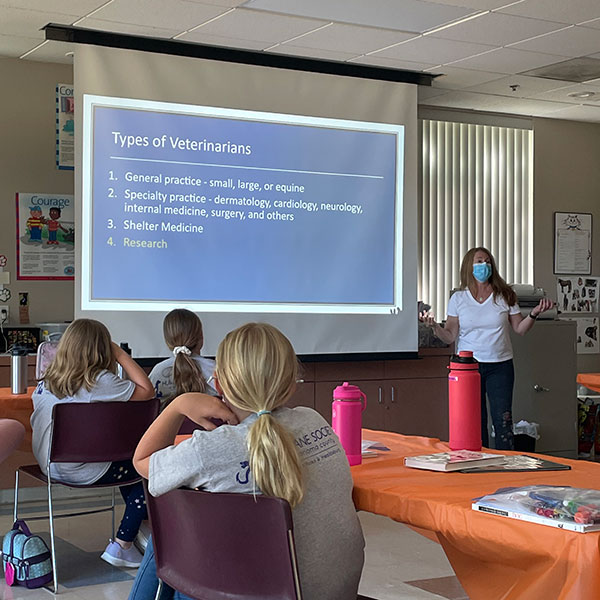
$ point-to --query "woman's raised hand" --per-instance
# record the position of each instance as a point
(427, 317)
(543, 305)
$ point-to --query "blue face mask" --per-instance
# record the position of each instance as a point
(482, 272)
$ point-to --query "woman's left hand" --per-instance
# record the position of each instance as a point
(543, 305)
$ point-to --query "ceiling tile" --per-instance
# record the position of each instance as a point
(27, 23)
(572, 42)
(14, 46)
(496, 29)
(351, 38)
(404, 15)
(525, 106)
(507, 60)
(128, 28)
(199, 37)
(392, 63)
(453, 78)
(475, 4)
(289, 49)
(66, 7)
(570, 12)
(54, 52)
(594, 23)
(465, 100)
(526, 87)
(578, 113)
(175, 14)
(564, 94)
(425, 93)
(227, 3)
(433, 50)
(253, 25)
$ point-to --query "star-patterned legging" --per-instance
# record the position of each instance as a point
(133, 495)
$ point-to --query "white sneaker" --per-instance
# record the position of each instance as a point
(119, 557)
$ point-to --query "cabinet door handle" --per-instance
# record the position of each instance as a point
(380, 396)
(393, 394)
(539, 388)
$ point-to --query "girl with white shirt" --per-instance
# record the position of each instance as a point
(480, 316)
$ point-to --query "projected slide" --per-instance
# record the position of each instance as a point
(223, 209)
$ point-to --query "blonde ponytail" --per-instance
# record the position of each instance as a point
(257, 371)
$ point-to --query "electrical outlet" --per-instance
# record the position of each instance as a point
(3, 313)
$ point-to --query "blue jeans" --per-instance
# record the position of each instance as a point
(497, 380)
(146, 580)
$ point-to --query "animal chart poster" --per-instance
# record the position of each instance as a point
(45, 236)
(577, 294)
(587, 335)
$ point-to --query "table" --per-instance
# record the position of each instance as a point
(493, 557)
(589, 380)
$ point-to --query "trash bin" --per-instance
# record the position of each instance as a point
(525, 435)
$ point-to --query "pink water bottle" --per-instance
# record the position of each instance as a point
(464, 409)
(346, 419)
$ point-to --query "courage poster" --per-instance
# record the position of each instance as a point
(45, 236)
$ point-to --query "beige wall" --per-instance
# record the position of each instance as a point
(566, 178)
(28, 164)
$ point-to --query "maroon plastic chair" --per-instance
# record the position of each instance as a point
(220, 546)
(89, 432)
(188, 426)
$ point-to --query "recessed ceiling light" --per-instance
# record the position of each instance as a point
(582, 95)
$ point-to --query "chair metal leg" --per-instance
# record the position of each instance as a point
(112, 506)
(52, 545)
(159, 590)
(16, 497)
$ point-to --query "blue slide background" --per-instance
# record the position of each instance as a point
(319, 257)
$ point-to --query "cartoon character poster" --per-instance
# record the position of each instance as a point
(65, 122)
(45, 236)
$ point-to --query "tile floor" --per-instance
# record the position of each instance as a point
(400, 564)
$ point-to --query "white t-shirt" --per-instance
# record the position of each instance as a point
(329, 540)
(161, 377)
(108, 388)
(483, 328)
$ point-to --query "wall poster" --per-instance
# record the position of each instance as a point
(572, 243)
(577, 294)
(587, 334)
(65, 122)
(45, 236)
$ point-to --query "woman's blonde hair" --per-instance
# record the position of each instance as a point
(182, 327)
(84, 351)
(499, 286)
(257, 370)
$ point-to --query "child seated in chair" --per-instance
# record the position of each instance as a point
(269, 451)
(84, 370)
(186, 370)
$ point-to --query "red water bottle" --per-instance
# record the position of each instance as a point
(464, 407)
(346, 419)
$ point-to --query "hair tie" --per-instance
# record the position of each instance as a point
(263, 412)
(183, 349)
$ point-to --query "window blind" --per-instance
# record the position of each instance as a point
(476, 190)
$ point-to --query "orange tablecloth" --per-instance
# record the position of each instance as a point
(493, 557)
(590, 380)
(19, 408)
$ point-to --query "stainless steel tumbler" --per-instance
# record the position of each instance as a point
(18, 370)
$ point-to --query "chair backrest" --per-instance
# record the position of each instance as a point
(188, 426)
(99, 431)
(45, 355)
(222, 546)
